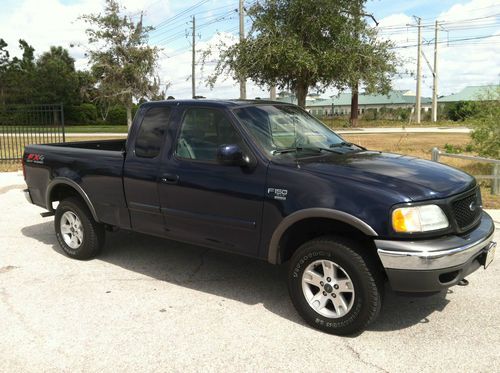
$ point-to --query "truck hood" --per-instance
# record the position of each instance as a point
(415, 178)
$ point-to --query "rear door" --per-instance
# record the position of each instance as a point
(203, 201)
(140, 175)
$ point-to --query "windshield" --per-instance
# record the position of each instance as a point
(279, 129)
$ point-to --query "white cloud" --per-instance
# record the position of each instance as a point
(51, 22)
(177, 71)
(460, 63)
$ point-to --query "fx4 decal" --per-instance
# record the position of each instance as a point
(35, 158)
(276, 193)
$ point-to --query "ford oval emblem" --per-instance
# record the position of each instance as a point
(472, 206)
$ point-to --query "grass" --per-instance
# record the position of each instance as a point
(335, 123)
(96, 129)
(342, 123)
(87, 128)
(414, 144)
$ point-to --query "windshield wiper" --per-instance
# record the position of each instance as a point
(300, 148)
(346, 144)
(340, 144)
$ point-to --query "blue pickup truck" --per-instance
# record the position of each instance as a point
(268, 180)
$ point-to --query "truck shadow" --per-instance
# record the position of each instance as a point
(230, 276)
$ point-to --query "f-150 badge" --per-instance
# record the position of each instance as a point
(277, 193)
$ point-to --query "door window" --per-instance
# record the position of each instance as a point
(202, 132)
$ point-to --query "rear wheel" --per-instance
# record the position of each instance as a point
(334, 287)
(78, 234)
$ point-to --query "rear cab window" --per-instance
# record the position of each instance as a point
(151, 132)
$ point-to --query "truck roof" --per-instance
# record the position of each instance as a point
(213, 103)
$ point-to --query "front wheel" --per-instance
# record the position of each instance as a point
(78, 234)
(333, 286)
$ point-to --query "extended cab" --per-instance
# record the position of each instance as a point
(268, 180)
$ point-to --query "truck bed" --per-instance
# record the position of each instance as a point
(96, 166)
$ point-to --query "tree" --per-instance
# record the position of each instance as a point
(121, 61)
(18, 75)
(299, 44)
(371, 62)
(56, 80)
(486, 134)
(4, 63)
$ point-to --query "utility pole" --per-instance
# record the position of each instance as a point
(272, 93)
(419, 69)
(193, 69)
(435, 75)
(243, 83)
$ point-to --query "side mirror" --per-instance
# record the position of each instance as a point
(231, 155)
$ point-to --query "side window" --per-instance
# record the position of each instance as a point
(202, 132)
(150, 136)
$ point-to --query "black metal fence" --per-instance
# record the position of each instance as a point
(21, 125)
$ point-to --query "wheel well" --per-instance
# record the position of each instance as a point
(62, 191)
(308, 229)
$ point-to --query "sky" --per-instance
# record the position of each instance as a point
(468, 49)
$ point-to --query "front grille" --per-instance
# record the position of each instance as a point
(467, 210)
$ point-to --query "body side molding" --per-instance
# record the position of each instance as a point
(274, 252)
(64, 180)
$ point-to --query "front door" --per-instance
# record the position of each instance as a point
(205, 202)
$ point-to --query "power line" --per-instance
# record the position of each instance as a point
(173, 37)
(180, 14)
(177, 23)
(431, 25)
(216, 18)
(449, 41)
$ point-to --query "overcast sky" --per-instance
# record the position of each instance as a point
(469, 52)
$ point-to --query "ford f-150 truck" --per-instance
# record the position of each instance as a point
(268, 180)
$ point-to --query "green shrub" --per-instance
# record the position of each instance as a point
(452, 149)
(462, 110)
(370, 114)
(403, 114)
(89, 112)
(486, 123)
(117, 115)
(80, 114)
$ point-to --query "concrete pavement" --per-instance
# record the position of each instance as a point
(148, 304)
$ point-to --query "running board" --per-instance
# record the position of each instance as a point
(47, 214)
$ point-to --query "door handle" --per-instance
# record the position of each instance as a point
(170, 178)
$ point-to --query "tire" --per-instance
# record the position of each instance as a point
(352, 298)
(78, 234)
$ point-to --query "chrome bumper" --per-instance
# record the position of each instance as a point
(444, 252)
(27, 195)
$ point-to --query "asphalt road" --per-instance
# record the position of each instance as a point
(148, 304)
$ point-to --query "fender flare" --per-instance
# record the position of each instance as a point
(274, 249)
(64, 180)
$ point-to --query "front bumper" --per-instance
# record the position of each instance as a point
(435, 264)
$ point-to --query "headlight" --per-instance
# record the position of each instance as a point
(419, 219)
